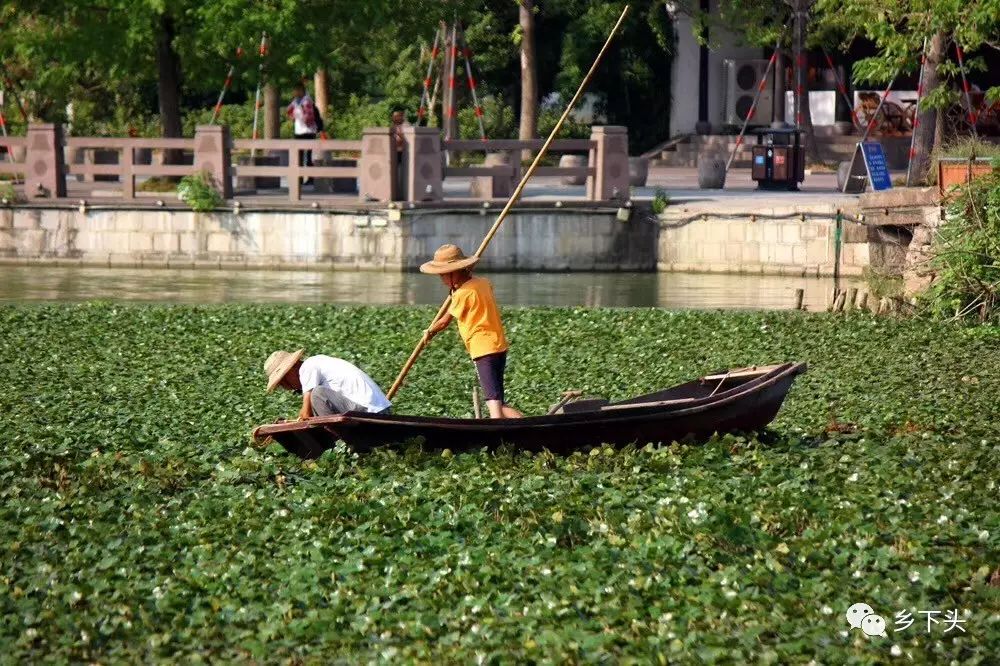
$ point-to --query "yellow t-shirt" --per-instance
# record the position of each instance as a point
(475, 308)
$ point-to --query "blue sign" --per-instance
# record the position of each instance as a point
(878, 170)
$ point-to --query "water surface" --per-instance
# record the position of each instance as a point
(666, 290)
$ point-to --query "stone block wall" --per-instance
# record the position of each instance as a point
(549, 240)
(720, 241)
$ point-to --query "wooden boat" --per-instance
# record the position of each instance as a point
(741, 400)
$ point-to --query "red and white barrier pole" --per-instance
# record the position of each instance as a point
(225, 87)
(262, 51)
(467, 57)
(425, 96)
(842, 89)
(881, 101)
(972, 116)
(756, 98)
(916, 112)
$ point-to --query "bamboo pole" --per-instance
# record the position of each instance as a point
(512, 200)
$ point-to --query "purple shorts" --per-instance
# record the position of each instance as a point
(490, 369)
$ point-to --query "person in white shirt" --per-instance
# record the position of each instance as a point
(328, 385)
(302, 111)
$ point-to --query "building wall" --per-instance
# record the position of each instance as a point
(723, 45)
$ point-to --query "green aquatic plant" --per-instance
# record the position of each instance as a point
(138, 522)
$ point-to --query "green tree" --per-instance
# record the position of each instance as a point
(902, 30)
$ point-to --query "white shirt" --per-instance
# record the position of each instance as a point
(345, 378)
(298, 115)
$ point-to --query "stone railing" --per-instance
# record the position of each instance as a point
(13, 150)
(379, 173)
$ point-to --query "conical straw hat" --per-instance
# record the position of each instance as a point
(277, 366)
(447, 259)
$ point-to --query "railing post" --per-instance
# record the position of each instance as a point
(422, 163)
(127, 161)
(610, 163)
(212, 154)
(378, 168)
(45, 171)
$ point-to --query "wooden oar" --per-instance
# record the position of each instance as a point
(511, 201)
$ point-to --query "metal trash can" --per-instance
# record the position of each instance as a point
(779, 159)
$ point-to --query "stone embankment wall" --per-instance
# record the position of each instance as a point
(777, 240)
(889, 231)
(542, 240)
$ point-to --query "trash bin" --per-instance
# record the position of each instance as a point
(779, 159)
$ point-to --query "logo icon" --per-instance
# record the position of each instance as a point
(862, 616)
(857, 613)
(874, 625)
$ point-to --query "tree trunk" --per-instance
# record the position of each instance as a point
(924, 134)
(529, 75)
(168, 86)
(322, 92)
(803, 115)
(272, 116)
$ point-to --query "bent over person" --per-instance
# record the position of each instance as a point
(328, 385)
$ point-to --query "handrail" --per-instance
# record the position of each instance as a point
(559, 145)
(130, 142)
(297, 144)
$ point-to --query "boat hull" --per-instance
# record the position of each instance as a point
(687, 411)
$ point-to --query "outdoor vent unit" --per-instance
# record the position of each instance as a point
(742, 80)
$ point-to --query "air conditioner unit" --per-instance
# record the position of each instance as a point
(742, 79)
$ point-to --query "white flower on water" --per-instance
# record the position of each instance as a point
(896, 651)
(984, 535)
(546, 571)
(857, 573)
(698, 513)
(942, 520)
(76, 596)
(914, 576)
(853, 477)
(826, 610)
(157, 592)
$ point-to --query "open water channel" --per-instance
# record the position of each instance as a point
(667, 290)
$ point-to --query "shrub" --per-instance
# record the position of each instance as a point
(660, 201)
(199, 191)
(9, 194)
(966, 255)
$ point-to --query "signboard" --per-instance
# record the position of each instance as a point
(868, 164)
(878, 170)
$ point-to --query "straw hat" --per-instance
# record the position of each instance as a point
(447, 259)
(277, 366)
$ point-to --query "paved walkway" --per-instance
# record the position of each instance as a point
(679, 183)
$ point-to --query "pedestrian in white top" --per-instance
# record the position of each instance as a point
(305, 121)
(328, 385)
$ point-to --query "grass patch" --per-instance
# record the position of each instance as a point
(158, 184)
(882, 285)
(138, 524)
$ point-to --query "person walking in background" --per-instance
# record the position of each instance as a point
(305, 117)
(398, 123)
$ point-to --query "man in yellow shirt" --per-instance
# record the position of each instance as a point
(475, 307)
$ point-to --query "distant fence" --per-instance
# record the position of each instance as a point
(371, 169)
